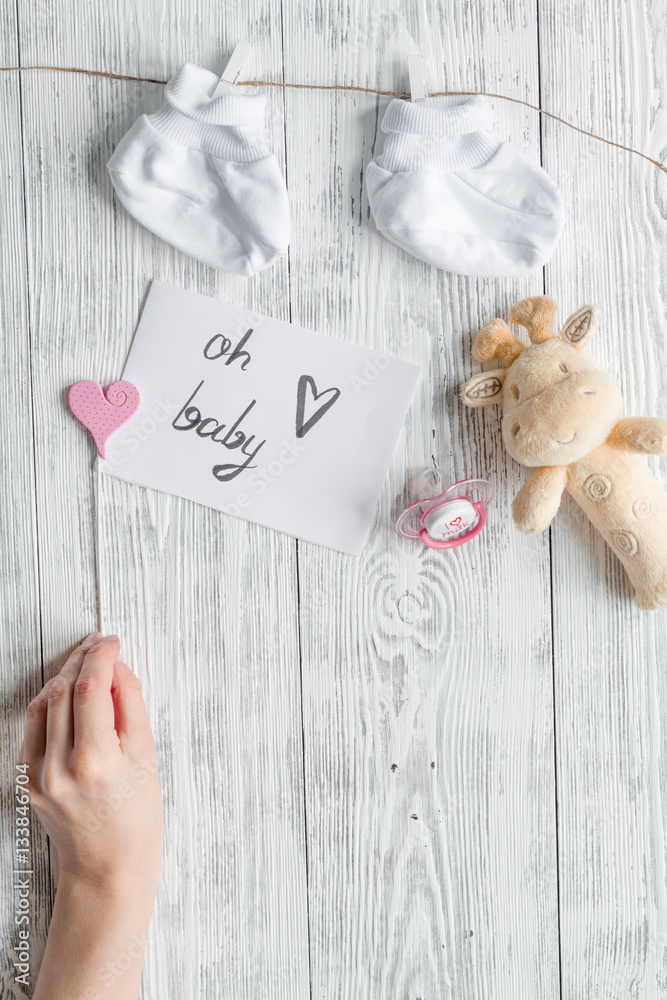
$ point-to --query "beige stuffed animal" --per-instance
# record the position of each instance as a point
(562, 416)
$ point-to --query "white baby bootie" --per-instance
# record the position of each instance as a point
(199, 174)
(452, 195)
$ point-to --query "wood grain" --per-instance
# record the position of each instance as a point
(20, 654)
(206, 606)
(411, 775)
(609, 657)
(427, 707)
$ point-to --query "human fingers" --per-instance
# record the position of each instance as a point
(72, 666)
(33, 745)
(93, 704)
(57, 693)
(132, 722)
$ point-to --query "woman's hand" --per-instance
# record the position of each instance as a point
(93, 783)
(93, 780)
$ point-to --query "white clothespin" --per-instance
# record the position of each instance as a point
(417, 75)
(233, 69)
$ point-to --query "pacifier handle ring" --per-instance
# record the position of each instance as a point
(453, 542)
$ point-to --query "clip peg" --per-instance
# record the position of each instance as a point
(233, 68)
(417, 76)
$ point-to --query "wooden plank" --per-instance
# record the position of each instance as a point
(603, 70)
(427, 680)
(20, 653)
(206, 606)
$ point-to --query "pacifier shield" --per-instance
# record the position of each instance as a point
(450, 519)
(448, 515)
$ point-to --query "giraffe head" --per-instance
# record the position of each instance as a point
(558, 404)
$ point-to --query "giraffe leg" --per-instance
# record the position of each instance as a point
(537, 501)
(647, 435)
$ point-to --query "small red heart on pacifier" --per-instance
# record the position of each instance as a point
(103, 413)
(456, 521)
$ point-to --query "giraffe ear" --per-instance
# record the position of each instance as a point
(581, 326)
(485, 388)
(496, 340)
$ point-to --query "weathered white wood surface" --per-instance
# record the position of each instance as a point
(206, 607)
(409, 775)
(610, 660)
(20, 655)
(427, 710)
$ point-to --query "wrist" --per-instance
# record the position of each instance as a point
(96, 940)
(109, 891)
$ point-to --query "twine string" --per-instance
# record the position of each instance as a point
(348, 88)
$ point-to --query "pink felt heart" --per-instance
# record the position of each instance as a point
(101, 414)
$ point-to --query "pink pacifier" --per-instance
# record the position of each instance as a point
(446, 519)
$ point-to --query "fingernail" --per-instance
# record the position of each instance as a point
(101, 640)
(92, 638)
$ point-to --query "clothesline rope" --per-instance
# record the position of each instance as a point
(348, 88)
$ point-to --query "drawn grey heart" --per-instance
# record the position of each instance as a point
(306, 388)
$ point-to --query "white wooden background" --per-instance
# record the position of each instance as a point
(409, 775)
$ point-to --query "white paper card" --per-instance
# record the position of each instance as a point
(258, 418)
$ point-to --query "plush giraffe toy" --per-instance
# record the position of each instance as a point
(562, 416)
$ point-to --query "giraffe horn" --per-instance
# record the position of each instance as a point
(537, 315)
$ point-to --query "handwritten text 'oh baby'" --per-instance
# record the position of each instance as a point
(228, 435)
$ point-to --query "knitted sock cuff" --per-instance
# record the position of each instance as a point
(441, 133)
(457, 114)
(230, 126)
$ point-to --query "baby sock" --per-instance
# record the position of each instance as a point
(455, 197)
(199, 174)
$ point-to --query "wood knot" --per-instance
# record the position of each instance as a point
(409, 609)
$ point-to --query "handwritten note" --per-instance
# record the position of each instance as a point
(259, 418)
